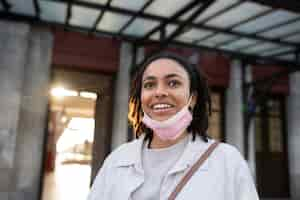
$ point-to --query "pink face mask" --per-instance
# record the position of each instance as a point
(171, 128)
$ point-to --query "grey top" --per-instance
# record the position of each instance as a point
(156, 163)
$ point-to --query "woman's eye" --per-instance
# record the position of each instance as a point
(174, 83)
(148, 85)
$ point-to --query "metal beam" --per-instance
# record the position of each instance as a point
(37, 8)
(191, 18)
(291, 5)
(254, 59)
(176, 21)
(167, 21)
(135, 16)
(99, 18)
(6, 5)
(69, 13)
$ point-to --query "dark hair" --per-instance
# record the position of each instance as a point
(201, 111)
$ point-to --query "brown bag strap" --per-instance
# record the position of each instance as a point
(193, 169)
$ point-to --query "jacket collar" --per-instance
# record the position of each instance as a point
(132, 155)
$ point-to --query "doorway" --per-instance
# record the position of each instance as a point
(271, 149)
(76, 113)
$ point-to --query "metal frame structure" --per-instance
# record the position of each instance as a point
(194, 9)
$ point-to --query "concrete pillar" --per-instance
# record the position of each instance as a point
(234, 112)
(121, 96)
(13, 49)
(293, 115)
(33, 115)
(252, 136)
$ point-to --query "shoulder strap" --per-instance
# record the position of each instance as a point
(193, 169)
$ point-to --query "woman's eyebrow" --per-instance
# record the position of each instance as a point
(172, 75)
(167, 76)
(149, 78)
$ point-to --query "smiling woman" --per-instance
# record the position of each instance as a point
(172, 156)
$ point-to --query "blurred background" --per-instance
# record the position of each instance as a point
(65, 70)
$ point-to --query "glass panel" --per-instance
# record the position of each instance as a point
(166, 8)
(217, 6)
(130, 5)
(295, 38)
(193, 34)
(1, 8)
(141, 26)
(84, 16)
(266, 21)
(217, 39)
(22, 7)
(238, 14)
(258, 135)
(261, 47)
(103, 2)
(112, 22)
(239, 44)
(275, 51)
(275, 135)
(283, 30)
(53, 11)
(288, 57)
(214, 129)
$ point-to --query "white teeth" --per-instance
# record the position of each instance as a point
(161, 106)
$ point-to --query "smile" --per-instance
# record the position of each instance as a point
(161, 106)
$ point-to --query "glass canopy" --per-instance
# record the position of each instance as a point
(231, 26)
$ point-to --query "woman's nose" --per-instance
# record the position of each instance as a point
(161, 91)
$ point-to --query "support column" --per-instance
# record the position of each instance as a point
(33, 115)
(293, 116)
(251, 136)
(121, 97)
(13, 49)
(234, 112)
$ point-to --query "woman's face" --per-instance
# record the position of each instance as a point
(165, 89)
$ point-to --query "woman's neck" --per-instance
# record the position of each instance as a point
(158, 143)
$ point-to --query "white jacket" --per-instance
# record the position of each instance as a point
(224, 176)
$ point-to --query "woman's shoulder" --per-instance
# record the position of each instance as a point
(229, 153)
(123, 153)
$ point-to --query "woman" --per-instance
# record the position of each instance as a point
(168, 109)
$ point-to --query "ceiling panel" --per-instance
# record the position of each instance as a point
(25, 7)
(53, 11)
(134, 5)
(112, 22)
(260, 47)
(283, 30)
(217, 6)
(219, 38)
(281, 16)
(239, 44)
(84, 17)
(238, 14)
(193, 34)
(102, 2)
(289, 57)
(276, 51)
(140, 27)
(295, 38)
(166, 8)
